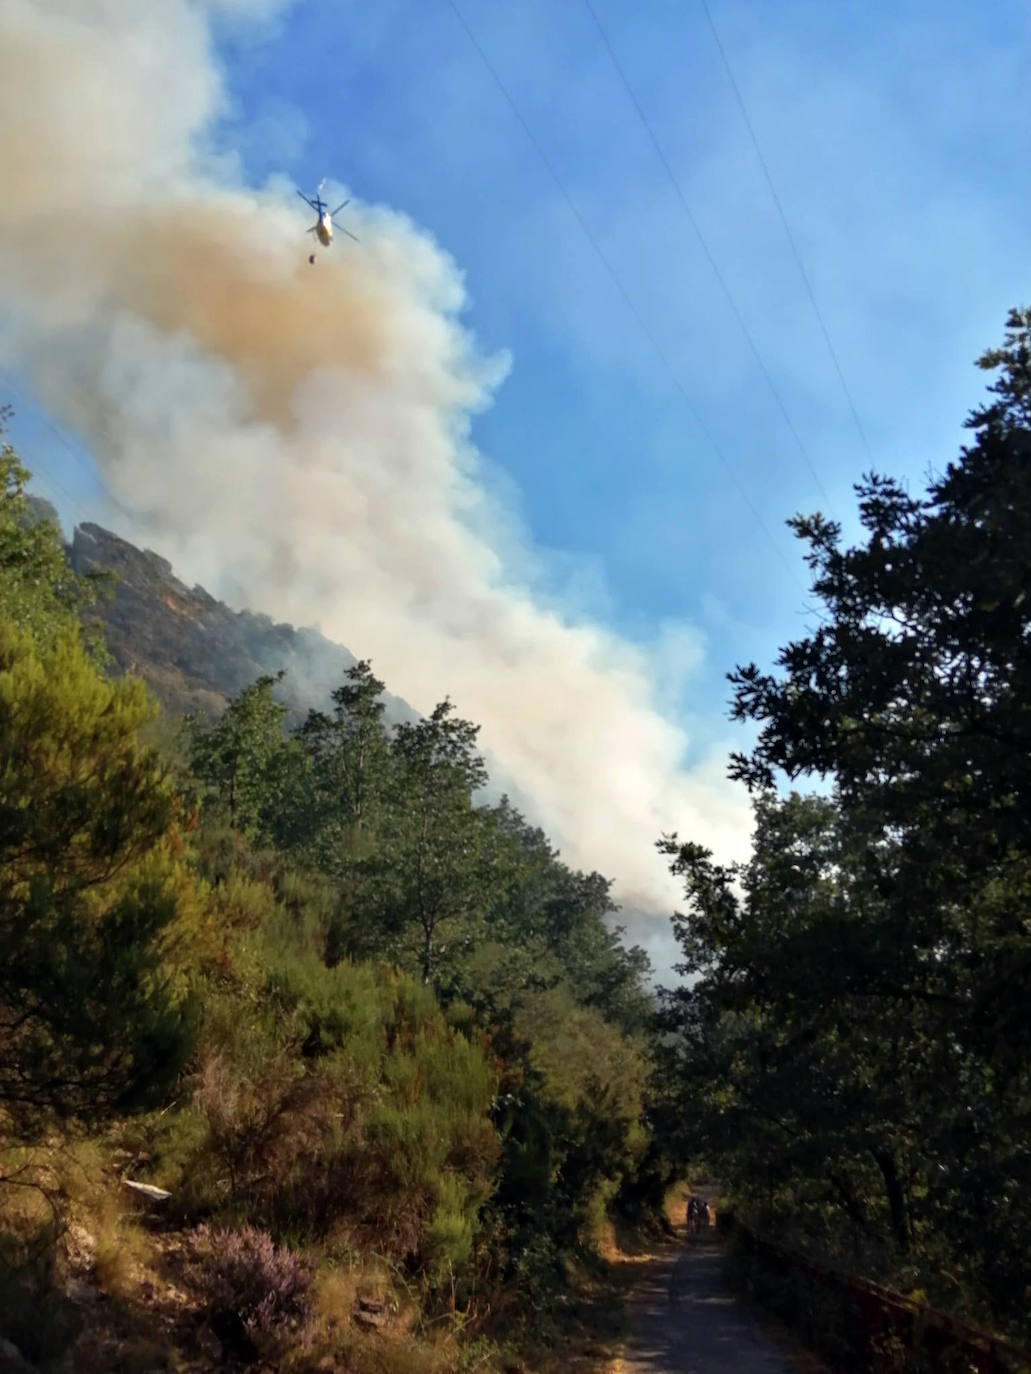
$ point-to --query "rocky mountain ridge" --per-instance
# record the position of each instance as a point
(194, 651)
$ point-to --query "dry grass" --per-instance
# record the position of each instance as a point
(121, 1250)
(75, 1267)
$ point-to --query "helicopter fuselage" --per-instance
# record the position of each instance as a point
(324, 229)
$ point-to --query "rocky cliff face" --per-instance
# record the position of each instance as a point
(195, 652)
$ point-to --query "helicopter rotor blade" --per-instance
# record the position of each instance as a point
(306, 200)
(346, 231)
(340, 207)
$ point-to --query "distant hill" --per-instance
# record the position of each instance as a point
(194, 652)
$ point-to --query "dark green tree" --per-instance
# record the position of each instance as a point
(809, 1062)
(438, 858)
(864, 997)
(96, 908)
(913, 694)
(553, 925)
(39, 591)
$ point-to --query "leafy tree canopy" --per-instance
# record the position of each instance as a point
(857, 1044)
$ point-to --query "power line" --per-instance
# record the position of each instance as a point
(675, 183)
(787, 230)
(617, 282)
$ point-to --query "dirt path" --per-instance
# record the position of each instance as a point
(686, 1320)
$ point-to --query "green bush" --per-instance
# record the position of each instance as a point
(335, 1102)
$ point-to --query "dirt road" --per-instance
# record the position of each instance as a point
(686, 1320)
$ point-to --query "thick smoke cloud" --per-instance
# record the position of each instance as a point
(303, 435)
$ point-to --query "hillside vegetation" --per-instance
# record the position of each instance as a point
(381, 1047)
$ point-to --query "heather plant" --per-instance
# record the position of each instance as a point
(450, 1232)
(243, 1272)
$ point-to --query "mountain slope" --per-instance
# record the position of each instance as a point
(195, 652)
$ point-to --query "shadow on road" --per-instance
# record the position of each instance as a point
(687, 1320)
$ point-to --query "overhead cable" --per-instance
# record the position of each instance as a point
(618, 283)
(787, 231)
(685, 205)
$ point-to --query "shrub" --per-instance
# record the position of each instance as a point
(448, 1241)
(244, 1272)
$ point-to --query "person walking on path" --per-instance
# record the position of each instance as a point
(692, 1214)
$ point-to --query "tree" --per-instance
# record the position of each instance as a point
(551, 922)
(915, 696)
(914, 693)
(902, 905)
(39, 591)
(94, 1011)
(349, 767)
(807, 1058)
(240, 757)
(437, 860)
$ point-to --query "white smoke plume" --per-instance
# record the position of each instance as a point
(302, 434)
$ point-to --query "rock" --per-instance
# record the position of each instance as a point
(195, 652)
(85, 1294)
(148, 1190)
(94, 1348)
(80, 1246)
(371, 1321)
(209, 1345)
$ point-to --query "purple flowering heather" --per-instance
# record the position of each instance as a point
(245, 1272)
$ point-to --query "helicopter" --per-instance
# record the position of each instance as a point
(325, 223)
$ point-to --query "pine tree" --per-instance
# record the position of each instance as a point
(94, 902)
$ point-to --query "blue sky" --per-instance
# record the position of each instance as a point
(897, 139)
